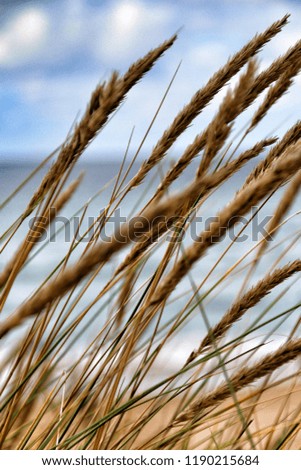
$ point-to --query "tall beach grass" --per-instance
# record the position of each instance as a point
(108, 371)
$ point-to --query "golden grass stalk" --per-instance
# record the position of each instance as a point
(13, 267)
(220, 127)
(291, 137)
(276, 92)
(104, 101)
(125, 293)
(283, 207)
(190, 152)
(98, 254)
(245, 376)
(205, 186)
(247, 301)
(250, 196)
(279, 67)
(229, 109)
(282, 71)
(203, 96)
(129, 232)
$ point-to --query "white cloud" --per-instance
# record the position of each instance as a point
(209, 55)
(129, 27)
(23, 37)
(111, 35)
(126, 16)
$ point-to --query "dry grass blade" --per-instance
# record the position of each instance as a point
(190, 152)
(104, 100)
(229, 110)
(291, 137)
(36, 232)
(205, 186)
(275, 93)
(245, 376)
(247, 301)
(279, 67)
(38, 229)
(125, 293)
(220, 127)
(100, 253)
(204, 96)
(283, 207)
(251, 195)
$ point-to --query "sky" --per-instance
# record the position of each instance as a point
(53, 53)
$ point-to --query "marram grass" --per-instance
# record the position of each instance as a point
(116, 392)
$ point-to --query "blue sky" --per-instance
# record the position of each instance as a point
(53, 53)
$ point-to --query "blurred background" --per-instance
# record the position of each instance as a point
(54, 52)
